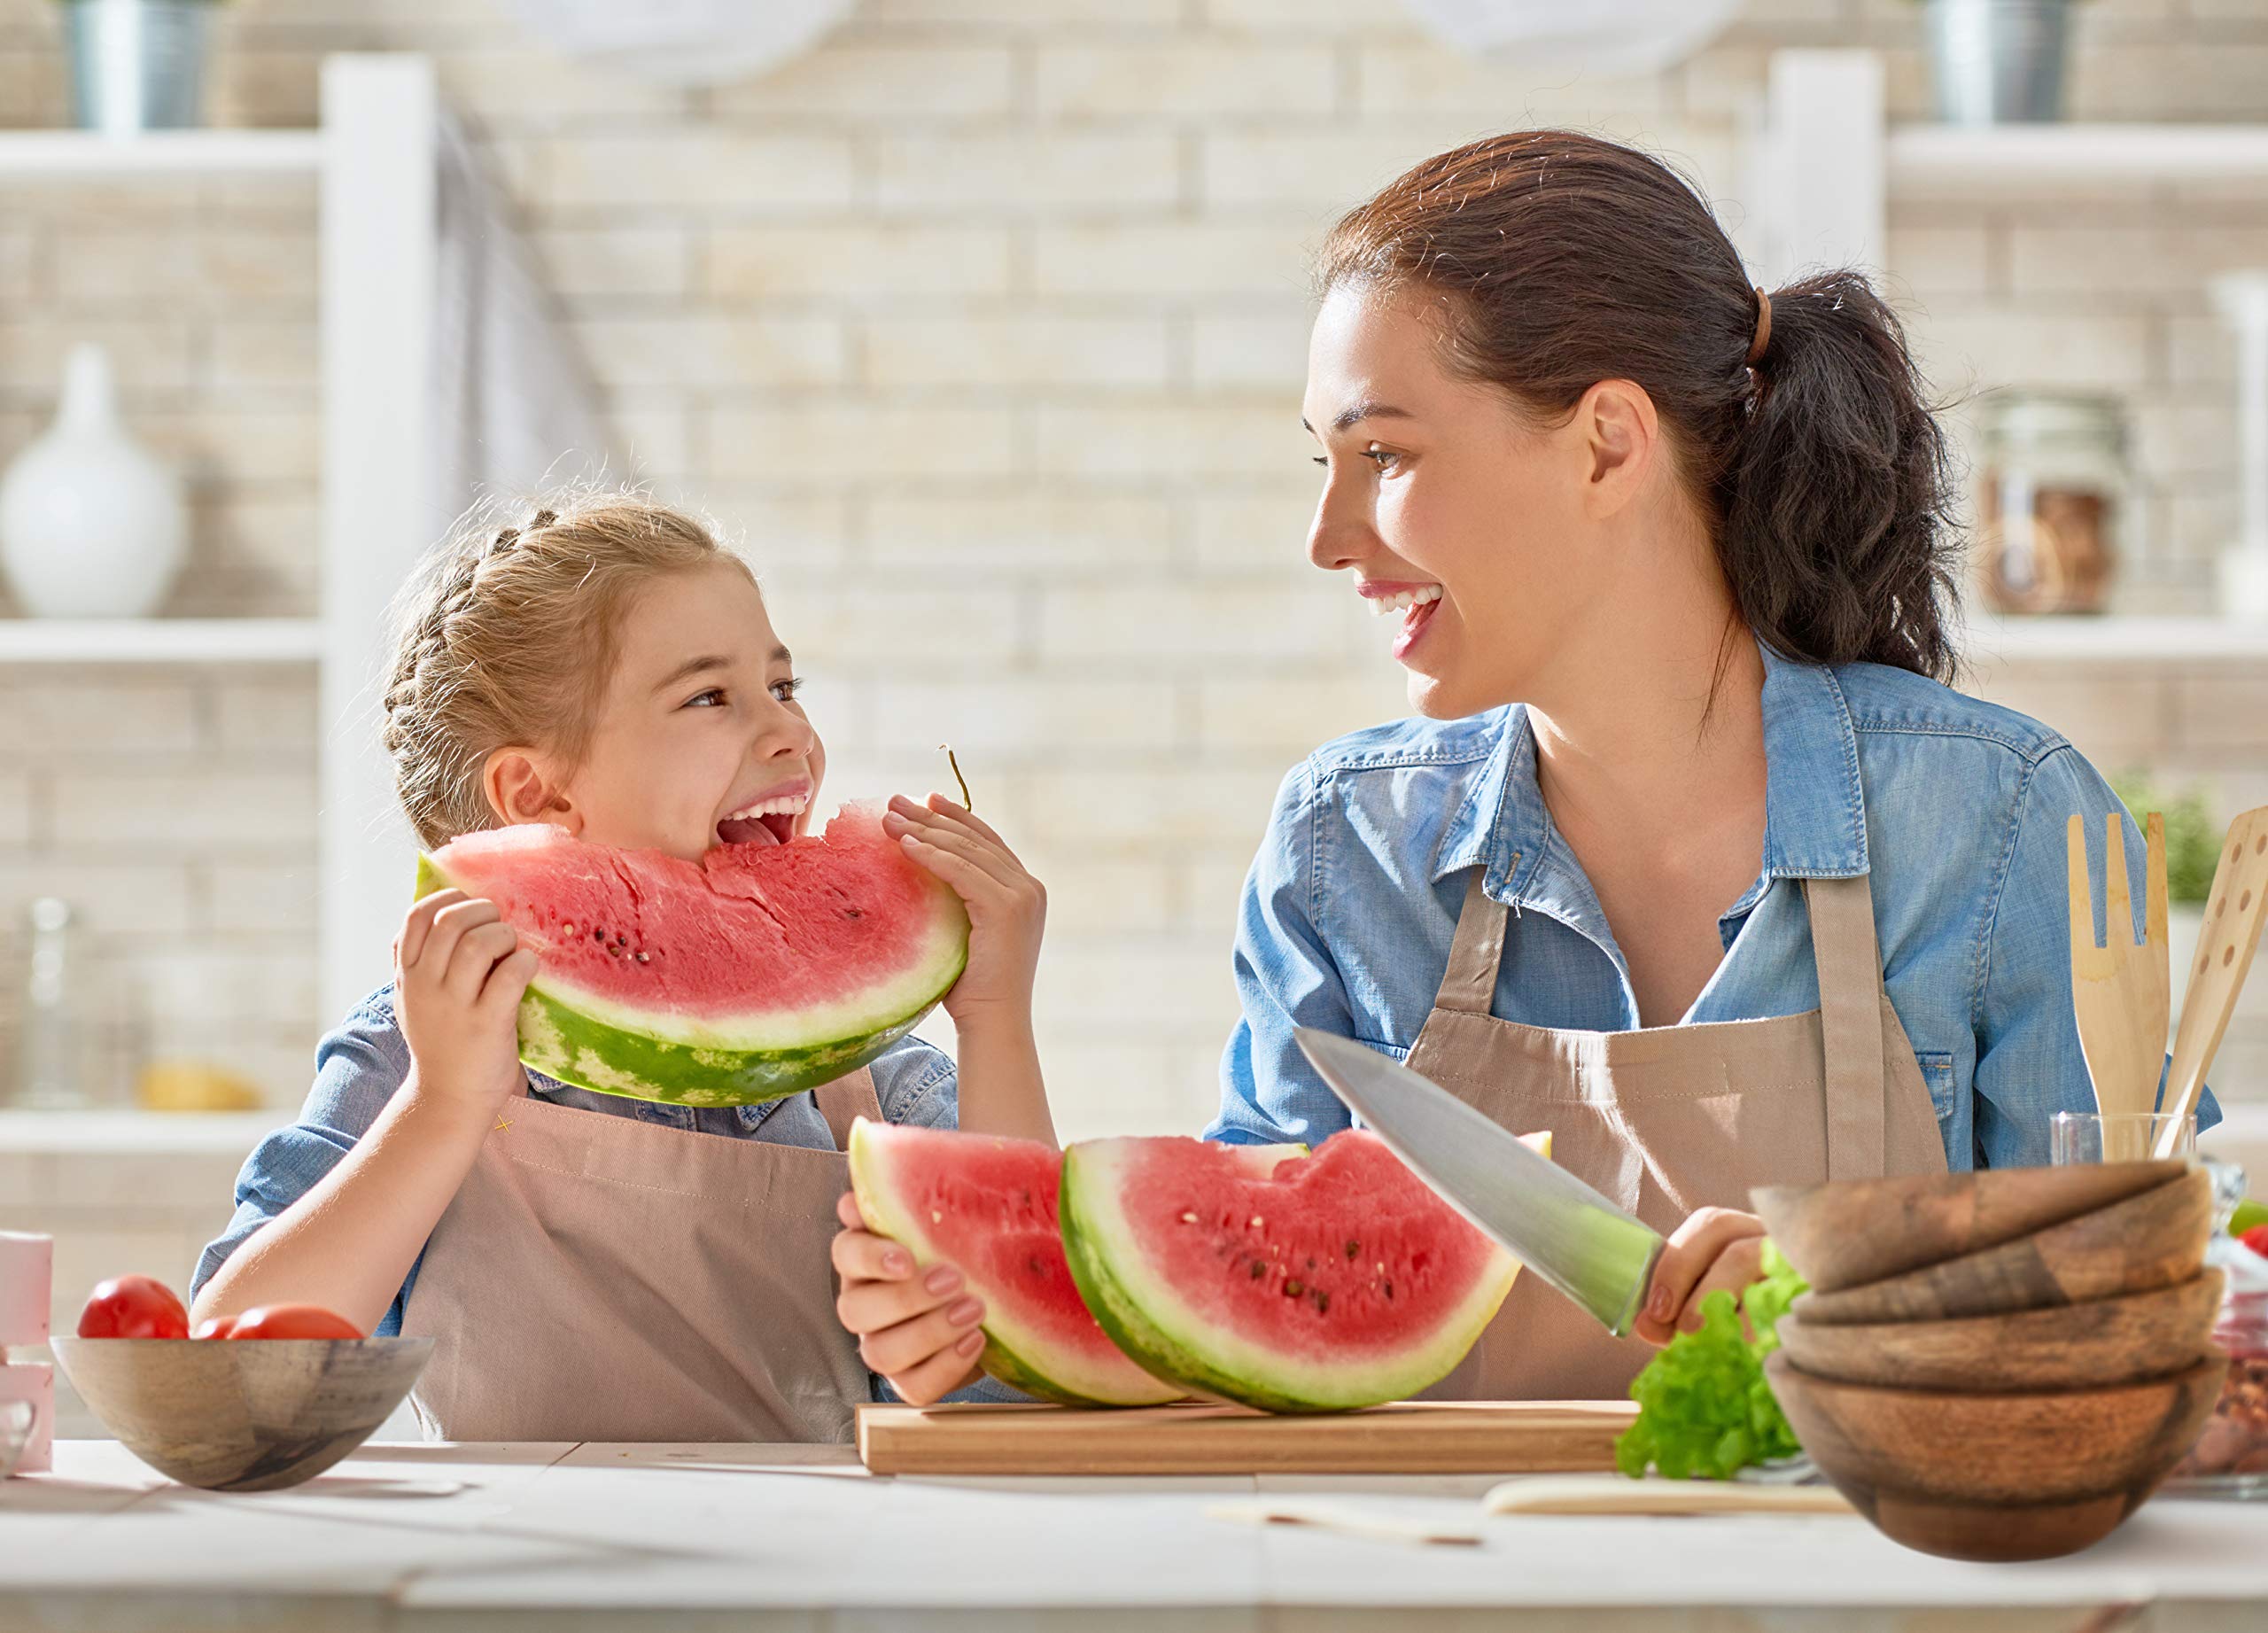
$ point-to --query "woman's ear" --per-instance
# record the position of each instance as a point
(1620, 432)
(518, 789)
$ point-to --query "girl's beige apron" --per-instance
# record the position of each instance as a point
(1669, 1119)
(598, 1277)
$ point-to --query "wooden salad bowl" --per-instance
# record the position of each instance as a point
(2110, 1341)
(1996, 1477)
(2153, 1238)
(1850, 1231)
(249, 1415)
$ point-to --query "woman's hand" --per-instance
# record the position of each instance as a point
(920, 1335)
(1008, 907)
(1714, 1248)
(458, 972)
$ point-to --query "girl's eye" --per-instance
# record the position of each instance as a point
(713, 698)
(786, 690)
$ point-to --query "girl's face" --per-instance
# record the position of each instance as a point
(699, 739)
(1473, 530)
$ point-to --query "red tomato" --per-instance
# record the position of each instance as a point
(2257, 1239)
(132, 1307)
(291, 1321)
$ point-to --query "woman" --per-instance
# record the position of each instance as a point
(1691, 858)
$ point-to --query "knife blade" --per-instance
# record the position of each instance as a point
(1555, 1225)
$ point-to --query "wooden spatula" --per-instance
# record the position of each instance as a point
(2119, 989)
(2232, 918)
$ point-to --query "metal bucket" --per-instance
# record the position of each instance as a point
(137, 64)
(1998, 61)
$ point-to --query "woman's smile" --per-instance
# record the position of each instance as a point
(1415, 600)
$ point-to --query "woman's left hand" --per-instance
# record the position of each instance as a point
(1714, 1248)
(1008, 907)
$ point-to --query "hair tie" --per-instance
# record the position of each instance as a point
(1763, 336)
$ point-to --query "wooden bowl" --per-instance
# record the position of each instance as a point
(2154, 1239)
(241, 1415)
(1849, 1232)
(1996, 1476)
(2112, 1340)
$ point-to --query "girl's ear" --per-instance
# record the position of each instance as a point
(518, 790)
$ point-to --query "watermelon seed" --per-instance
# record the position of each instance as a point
(1258, 1270)
(935, 1217)
(1310, 1263)
(1291, 1289)
(1189, 1218)
(1322, 1302)
(1354, 1249)
(566, 929)
(1389, 1292)
(854, 912)
(641, 958)
(1256, 1222)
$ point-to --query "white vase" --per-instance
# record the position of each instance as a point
(91, 525)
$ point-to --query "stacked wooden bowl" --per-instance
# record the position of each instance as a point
(1999, 1365)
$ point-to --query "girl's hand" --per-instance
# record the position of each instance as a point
(1714, 1248)
(458, 972)
(920, 1335)
(1008, 907)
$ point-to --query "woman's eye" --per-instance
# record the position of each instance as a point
(1381, 458)
(1323, 460)
(786, 690)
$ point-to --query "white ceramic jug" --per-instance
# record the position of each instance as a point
(91, 525)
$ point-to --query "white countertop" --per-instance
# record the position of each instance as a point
(417, 1535)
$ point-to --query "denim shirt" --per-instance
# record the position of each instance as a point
(358, 1066)
(1953, 808)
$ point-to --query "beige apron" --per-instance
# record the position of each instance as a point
(1668, 1119)
(599, 1278)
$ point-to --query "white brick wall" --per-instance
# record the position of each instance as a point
(983, 329)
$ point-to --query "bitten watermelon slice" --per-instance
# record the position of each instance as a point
(1334, 1281)
(986, 1205)
(759, 971)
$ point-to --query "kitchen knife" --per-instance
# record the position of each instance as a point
(1554, 1224)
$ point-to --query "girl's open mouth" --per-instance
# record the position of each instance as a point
(765, 821)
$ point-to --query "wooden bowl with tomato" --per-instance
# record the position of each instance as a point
(251, 1403)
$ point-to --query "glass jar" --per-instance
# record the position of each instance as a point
(2231, 1456)
(2055, 493)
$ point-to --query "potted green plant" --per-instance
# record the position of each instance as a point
(137, 64)
(1998, 61)
(2192, 850)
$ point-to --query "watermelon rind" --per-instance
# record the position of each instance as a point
(1150, 1322)
(580, 1037)
(1013, 1353)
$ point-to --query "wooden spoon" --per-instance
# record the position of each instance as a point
(2120, 988)
(2232, 918)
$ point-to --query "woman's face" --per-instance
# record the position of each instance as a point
(699, 738)
(1441, 494)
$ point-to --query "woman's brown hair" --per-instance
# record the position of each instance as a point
(507, 636)
(1561, 260)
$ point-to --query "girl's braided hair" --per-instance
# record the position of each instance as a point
(507, 636)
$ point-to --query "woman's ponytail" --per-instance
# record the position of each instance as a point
(1823, 471)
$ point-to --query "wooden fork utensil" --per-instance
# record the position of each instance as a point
(2120, 988)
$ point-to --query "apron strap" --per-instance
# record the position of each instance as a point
(845, 1100)
(1476, 951)
(1850, 1023)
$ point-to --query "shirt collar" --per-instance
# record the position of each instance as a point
(1814, 807)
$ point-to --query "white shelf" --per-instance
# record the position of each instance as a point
(61, 1133)
(66, 155)
(2115, 640)
(2011, 161)
(160, 640)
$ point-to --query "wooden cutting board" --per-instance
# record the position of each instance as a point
(1410, 1437)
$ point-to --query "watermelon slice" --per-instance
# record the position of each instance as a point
(986, 1205)
(1335, 1282)
(759, 971)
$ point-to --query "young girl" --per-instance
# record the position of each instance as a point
(652, 1273)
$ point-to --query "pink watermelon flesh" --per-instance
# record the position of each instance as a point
(988, 1206)
(758, 971)
(1337, 1280)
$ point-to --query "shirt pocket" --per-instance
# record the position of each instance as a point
(1937, 1076)
(1393, 1049)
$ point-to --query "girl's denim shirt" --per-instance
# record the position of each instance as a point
(1953, 809)
(359, 1065)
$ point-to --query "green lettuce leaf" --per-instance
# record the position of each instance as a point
(1705, 1411)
